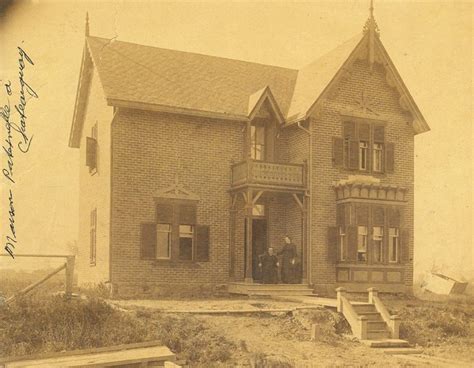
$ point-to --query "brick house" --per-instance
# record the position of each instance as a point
(192, 165)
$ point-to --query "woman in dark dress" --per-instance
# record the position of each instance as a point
(269, 266)
(288, 266)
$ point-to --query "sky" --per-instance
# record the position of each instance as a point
(429, 42)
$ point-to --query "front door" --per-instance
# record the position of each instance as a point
(259, 245)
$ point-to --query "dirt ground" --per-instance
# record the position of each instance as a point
(284, 339)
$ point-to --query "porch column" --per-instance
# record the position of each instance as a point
(248, 236)
(304, 241)
(232, 215)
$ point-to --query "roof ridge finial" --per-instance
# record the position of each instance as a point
(87, 24)
(371, 24)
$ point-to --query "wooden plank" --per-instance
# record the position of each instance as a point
(145, 344)
(103, 359)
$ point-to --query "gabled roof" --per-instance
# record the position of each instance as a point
(256, 101)
(153, 78)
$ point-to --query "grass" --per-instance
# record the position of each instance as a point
(40, 324)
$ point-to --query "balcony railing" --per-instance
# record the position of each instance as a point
(253, 172)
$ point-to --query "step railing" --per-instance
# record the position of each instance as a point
(392, 321)
(358, 323)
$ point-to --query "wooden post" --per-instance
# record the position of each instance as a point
(363, 327)
(248, 240)
(372, 292)
(304, 241)
(395, 326)
(341, 292)
(69, 275)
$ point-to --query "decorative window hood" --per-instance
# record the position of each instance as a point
(368, 187)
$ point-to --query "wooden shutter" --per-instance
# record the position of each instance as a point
(338, 151)
(333, 239)
(148, 240)
(405, 245)
(364, 132)
(202, 243)
(340, 215)
(187, 214)
(351, 234)
(353, 154)
(347, 214)
(91, 153)
(389, 157)
(164, 213)
(362, 213)
(378, 216)
(379, 133)
(349, 130)
(393, 217)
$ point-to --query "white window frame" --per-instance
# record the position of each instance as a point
(363, 155)
(377, 157)
(378, 241)
(161, 231)
(362, 233)
(187, 235)
(391, 237)
(342, 244)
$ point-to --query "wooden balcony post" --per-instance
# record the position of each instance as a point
(248, 238)
(341, 292)
(372, 292)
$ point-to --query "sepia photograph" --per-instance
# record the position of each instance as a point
(261, 184)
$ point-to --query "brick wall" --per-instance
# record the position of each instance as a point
(95, 189)
(149, 149)
(328, 124)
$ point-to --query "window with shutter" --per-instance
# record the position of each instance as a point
(338, 151)
(202, 243)
(186, 242)
(91, 153)
(340, 214)
(164, 213)
(362, 213)
(148, 240)
(389, 157)
(333, 236)
(351, 233)
(405, 245)
(393, 217)
(353, 159)
(378, 216)
(187, 214)
(377, 243)
(393, 245)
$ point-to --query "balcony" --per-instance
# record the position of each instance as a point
(270, 175)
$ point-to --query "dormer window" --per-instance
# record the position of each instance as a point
(258, 142)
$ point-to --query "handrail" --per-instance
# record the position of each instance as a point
(392, 321)
(358, 323)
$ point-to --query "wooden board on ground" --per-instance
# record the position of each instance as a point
(101, 359)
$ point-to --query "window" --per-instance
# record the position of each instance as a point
(378, 157)
(186, 242)
(163, 241)
(93, 237)
(363, 148)
(342, 244)
(393, 244)
(378, 243)
(175, 234)
(258, 142)
(362, 243)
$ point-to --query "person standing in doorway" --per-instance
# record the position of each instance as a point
(269, 266)
(288, 266)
